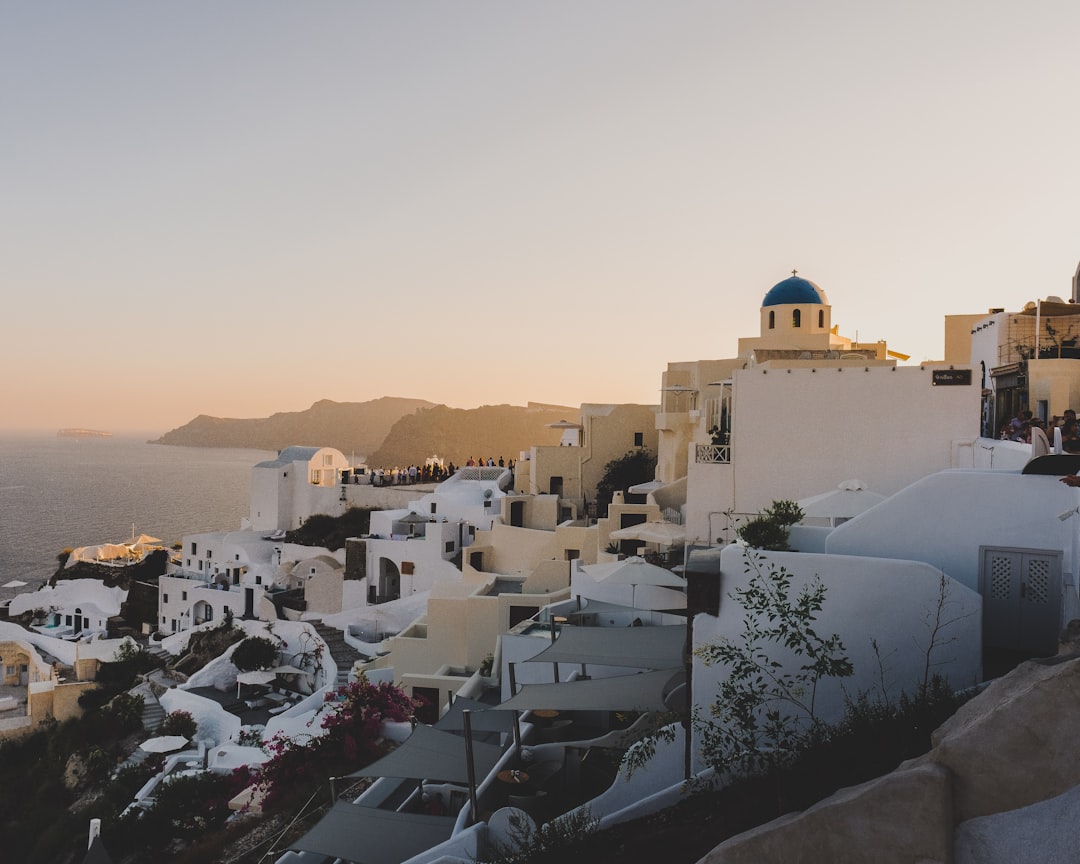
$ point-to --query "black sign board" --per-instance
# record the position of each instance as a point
(950, 377)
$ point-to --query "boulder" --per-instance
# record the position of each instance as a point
(903, 817)
(1042, 832)
(1015, 743)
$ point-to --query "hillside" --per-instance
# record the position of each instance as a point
(455, 434)
(387, 431)
(351, 427)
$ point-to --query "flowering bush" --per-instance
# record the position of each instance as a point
(352, 719)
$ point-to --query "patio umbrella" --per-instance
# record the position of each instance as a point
(848, 499)
(163, 744)
(658, 532)
(634, 571)
(14, 583)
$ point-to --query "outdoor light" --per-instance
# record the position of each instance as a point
(1065, 514)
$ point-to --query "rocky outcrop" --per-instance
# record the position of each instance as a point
(1015, 743)
(1044, 832)
(871, 822)
(1001, 784)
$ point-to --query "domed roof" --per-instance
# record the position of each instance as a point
(794, 290)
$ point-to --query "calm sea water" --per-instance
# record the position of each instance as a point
(58, 493)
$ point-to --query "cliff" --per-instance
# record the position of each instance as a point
(351, 427)
(387, 431)
(455, 434)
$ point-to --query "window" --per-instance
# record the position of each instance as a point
(796, 318)
(183, 595)
(194, 549)
(209, 554)
(639, 439)
(327, 459)
(200, 564)
(449, 547)
(433, 505)
(772, 319)
(407, 568)
(315, 476)
(821, 318)
(164, 598)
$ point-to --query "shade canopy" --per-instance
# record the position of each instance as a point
(641, 692)
(481, 718)
(659, 532)
(634, 571)
(431, 754)
(14, 583)
(640, 647)
(848, 499)
(367, 835)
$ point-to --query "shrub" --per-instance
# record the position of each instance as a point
(771, 527)
(179, 723)
(633, 467)
(255, 652)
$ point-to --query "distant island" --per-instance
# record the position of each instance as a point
(387, 431)
(82, 433)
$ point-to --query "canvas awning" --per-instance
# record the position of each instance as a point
(431, 754)
(481, 719)
(641, 647)
(367, 835)
(644, 691)
(659, 532)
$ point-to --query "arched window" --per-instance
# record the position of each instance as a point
(772, 320)
(796, 318)
(821, 318)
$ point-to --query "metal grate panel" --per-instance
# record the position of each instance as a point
(1038, 581)
(1000, 577)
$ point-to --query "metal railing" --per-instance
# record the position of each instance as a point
(713, 454)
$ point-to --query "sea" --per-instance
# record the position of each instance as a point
(62, 493)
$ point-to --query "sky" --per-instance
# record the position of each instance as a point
(241, 208)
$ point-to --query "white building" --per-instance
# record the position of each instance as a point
(299, 482)
(802, 409)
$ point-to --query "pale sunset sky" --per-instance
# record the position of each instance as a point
(241, 208)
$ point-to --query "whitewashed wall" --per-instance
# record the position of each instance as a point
(866, 599)
(801, 432)
(943, 519)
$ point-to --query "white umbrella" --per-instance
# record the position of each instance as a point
(659, 532)
(259, 676)
(634, 571)
(848, 499)
(163, 744)
(14, 583)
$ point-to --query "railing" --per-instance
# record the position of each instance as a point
(713, 454)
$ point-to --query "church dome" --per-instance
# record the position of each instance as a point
(792, 291)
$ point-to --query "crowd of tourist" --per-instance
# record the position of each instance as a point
(1040, 434)
(430, 472)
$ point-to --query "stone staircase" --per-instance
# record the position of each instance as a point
(161, 654)
(344, 655)
(152, 712)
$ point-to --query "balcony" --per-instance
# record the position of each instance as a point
(712, 454)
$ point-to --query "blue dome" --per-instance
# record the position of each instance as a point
(794, 290)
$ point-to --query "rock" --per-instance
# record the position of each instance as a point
(1015, 743)
(903, 817)
(1042, 832)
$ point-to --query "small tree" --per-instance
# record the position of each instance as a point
(255, 652)
(762, 706)
(633, 467)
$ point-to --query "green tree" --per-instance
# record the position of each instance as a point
(255, 652)
(633, 467)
